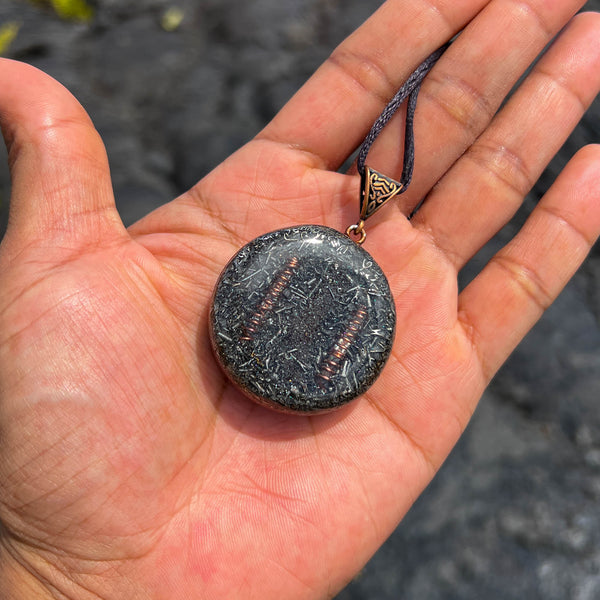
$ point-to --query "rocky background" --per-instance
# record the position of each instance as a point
(174, 87)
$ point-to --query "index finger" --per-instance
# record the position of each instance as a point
(332, 112)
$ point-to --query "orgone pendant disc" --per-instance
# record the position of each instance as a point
(302, 319)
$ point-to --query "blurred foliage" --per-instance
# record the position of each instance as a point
(172, 18)
(8, 32)
(75, 10)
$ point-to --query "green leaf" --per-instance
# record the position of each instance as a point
(8, 32)
(77, 10)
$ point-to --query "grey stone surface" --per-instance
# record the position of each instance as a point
(302, 319)
(514, 512)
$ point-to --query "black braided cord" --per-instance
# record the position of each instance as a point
(409, 90)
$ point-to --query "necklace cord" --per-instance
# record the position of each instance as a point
(410, 89)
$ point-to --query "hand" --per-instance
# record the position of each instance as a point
(129, 466)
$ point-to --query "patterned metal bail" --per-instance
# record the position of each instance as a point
(376, 190)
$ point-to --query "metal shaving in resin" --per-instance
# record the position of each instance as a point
(302, 319)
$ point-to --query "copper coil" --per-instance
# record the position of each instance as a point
(269, 301)
(332, 364)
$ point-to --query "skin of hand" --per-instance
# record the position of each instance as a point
(129, 466)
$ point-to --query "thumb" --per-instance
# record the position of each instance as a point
(61, 188)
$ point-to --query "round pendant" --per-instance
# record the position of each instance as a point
(302, 319)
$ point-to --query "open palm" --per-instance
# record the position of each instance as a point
(129, 466)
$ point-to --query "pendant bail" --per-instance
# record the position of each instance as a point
(377, 190)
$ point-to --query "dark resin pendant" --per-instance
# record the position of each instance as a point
(302, 319)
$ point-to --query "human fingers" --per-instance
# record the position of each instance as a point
(487, 185)
(61, 186)
(504, 301)
(465, 89)
(332, 112)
